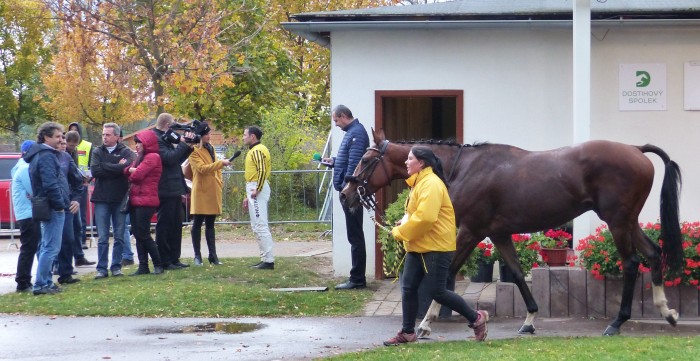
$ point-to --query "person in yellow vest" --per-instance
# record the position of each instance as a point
(257, 172)
(207, 190)
(84, 150)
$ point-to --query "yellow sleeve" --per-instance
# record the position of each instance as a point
(428, 202)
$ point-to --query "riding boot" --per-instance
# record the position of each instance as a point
(211, 244)
(142, 254)
(196, 242)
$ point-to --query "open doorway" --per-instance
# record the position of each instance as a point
(415, 115)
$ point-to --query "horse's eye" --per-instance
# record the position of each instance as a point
(364, 161)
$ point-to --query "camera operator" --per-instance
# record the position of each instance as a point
(170, 190)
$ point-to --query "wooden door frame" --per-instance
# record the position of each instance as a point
(379, 95)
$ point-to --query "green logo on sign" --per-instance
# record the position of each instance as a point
(644, 78)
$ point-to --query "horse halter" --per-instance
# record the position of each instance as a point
(367, 200)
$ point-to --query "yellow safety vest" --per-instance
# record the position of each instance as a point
(84, 154)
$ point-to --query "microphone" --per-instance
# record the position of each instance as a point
(235, 155)
(318, 159)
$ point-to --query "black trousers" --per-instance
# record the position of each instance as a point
(169, 230)
(141, 229)
(209, 234)
(356, 237)
(29, 238)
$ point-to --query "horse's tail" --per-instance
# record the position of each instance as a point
(672, 250)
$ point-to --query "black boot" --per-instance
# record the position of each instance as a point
(142, 270)
(196, 242)
(157, 270)
(211, 244)
(198, 260)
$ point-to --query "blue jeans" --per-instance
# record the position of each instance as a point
(106, 214)
(414, 272)
(51, 233)
(65, 256)
(128, 253)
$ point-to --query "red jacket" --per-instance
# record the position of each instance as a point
(144, 181)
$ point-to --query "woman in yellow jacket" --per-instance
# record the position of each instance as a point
(207, 187)
(429, 234)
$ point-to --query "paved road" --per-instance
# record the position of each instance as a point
(152, 339)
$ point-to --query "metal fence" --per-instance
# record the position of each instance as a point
(297, 196)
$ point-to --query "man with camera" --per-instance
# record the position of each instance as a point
(173, 149)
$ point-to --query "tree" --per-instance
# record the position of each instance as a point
(89, 81)
(172, 45)
(24, 33)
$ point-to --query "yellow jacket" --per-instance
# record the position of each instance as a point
(431, 218)
(207, 183)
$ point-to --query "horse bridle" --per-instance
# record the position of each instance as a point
(368, 200)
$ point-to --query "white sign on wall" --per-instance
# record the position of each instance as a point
(642, 87)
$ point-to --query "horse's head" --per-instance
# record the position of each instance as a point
(372, 173)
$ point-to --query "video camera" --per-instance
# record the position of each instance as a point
(197, 127)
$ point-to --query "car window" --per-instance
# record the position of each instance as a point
(5, 168)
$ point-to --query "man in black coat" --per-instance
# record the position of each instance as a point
(170, 191)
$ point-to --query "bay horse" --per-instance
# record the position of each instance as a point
(499, 190)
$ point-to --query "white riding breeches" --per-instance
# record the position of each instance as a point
(257, 208)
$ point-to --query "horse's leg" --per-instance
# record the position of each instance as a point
(624, 237)
(652, 253)
(507, 249)
(465, 245)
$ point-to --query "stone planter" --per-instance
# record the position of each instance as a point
(574, 292)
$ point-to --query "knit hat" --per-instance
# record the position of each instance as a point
(26, 145)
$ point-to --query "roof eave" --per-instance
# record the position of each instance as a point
(320, 31)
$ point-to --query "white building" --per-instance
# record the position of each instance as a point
(503, 72)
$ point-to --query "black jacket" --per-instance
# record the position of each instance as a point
(110, 182)
(172, 181)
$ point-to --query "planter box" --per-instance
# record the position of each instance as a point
(574, 292)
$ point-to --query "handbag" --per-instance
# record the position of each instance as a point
(124, 205)
(40, 209)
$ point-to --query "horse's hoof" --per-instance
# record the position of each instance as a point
(611, 331)
(672, 317)
(526, 329)
(423, 332)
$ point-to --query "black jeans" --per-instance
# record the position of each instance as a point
(141, 229)
(169, 230)
(414, 272)
(29, 238)
(356, 237)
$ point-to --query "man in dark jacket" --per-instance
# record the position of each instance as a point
(48, 181)
(170, 190)
(107, 166)
(353, 146)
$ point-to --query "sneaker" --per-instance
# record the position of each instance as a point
(101, 275)
(479, 326)
(82, 261)
(117, 273)
(400, 338)
(127, 262)
(46, 291)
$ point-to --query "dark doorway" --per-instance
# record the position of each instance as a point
(415, 115)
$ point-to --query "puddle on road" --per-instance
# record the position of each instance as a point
(218, 327)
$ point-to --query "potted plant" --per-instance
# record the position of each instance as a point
(527, 251)
(479, 266)
(554, 246)
(600, 257)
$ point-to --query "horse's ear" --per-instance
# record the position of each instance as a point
(378, 135)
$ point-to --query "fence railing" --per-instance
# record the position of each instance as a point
(297, 196)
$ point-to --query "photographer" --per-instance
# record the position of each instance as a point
(170, 190)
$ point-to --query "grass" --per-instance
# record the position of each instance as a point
(541, 349)
(298, 232)
(230, 290)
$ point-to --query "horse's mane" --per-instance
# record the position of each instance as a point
(448, 142)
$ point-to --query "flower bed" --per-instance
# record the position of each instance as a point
(600, 257)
